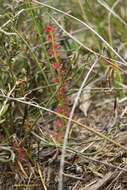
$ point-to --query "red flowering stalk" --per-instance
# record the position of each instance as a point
(49, 29)
(19, 150)
(59, 80)
(56, 66)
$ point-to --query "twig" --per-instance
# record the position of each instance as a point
(33, 104)
(60, 185)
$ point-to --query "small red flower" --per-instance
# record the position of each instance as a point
(21, 153)
(58, 123)
(56, 80)
(49, 29)
(19, 150)
(54, 50)
(49, 38)
(56, 46)
(62, 90)
(61, 94)
(59, 109)
(56, 66)
(62, 72)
